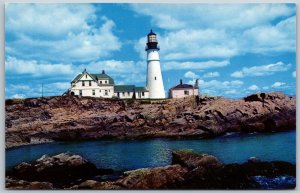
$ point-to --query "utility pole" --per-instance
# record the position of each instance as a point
(193, 92)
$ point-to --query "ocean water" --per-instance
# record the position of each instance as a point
(123, 155)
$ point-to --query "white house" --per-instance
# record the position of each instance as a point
(103, 86)
(183, 90)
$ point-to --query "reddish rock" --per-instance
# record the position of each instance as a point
(11, 183)
(79, 118)
(153, 178)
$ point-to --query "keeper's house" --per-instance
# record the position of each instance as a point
(183, 90)
(103, 86)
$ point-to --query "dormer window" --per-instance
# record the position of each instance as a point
(83, 83)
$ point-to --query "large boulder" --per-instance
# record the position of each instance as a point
(58, 169)
(192, 160)
(153, 178)
(92, 184)
(206, 172)
(14, 184)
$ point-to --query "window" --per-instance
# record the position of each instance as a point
(80, 92)
(143, 94)
(86, 76)
(123, 93)
(93, 92)
(99, 90)
(106, 93)
(128, 93)
(83, 83)
(90, 83)
(100, 82)
(186, 92)
(155, 78)
(105, 82)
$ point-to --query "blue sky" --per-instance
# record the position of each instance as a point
(233, 49)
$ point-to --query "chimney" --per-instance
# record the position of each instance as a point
(196, 84)
(103, 72)
(180, 81)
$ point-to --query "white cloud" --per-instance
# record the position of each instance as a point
(191, 82)
(219, 88)
(232, 83)
(253, 87)
(20, 87)
(193, 43)
(233, 91)
(61, 86)
(58, 33)
(48, 20)
(128, 71)
(261, 70)
(117, 67)
(218, 16)
(190, 74)
(194, 65)
(211, 75)
(237, 74)
(123, 72)
(221, 85)
(278, 84)
(32, 67)
(294, 74)
(220, 31)
(18, 96)
(34, 89)
(268, 38)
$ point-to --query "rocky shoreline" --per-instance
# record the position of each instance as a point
(188, 170)
(68, 118)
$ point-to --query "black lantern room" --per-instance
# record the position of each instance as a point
(151, 41)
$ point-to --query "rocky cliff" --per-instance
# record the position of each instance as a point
(61, 118)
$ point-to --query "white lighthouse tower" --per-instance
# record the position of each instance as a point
(155, 83)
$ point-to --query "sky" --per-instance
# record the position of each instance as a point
(233, 49)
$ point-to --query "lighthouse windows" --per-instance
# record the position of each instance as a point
(152, 38)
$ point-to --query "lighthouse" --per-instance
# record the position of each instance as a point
(155, 83)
